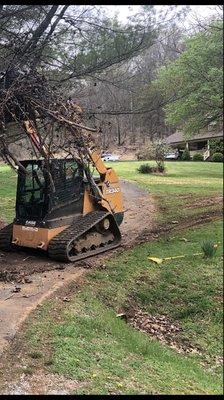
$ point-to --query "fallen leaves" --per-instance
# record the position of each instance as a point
(164, 330)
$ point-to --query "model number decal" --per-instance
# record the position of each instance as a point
(113, 190)
(33, 223)
(29, 228)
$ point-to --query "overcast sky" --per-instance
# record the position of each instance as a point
(197, 11)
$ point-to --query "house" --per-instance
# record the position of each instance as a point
(196, 144)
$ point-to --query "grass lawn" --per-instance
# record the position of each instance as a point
(181, 178)
(84, 340)
(8, 179)
(182, 184)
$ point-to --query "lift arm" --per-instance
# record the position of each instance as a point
(107, 192)
(31, 132)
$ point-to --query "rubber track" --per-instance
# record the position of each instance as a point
(57, 248)
(6, 237)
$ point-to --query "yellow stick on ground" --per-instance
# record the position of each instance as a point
(160, 260)
(171, 258)
(156, 260)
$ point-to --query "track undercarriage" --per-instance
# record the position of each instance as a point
(88, 235)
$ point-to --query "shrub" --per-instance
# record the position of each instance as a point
(209, 249)
(145, 169)
(186, 155)
(160, 167)
(216, 145)
(148, 169)
(157, 150)
(198, 157)
(217, 157)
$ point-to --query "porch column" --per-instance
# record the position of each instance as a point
(208, 144)
(187, 146)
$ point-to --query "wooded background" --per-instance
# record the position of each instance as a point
(136, 81)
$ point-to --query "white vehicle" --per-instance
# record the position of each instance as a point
(173, 155)
(109, 157)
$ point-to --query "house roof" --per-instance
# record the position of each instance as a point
(179, 137)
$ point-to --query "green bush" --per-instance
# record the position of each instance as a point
(145, 169)
(160, 167)
(216, 145)
(217, 157)
(198, 157)
(186, 155)
(148, 169)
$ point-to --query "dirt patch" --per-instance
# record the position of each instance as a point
(203, 218)
(140, 211)
(204, 202)
(43, 383)
(17, 300)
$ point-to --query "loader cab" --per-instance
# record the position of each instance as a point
(41, 195)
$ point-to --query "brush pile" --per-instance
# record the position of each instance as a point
(57, 122)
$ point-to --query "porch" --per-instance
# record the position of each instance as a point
(197, 144)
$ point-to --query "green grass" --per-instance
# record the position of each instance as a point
(83, 339)
(8, 179)
(193, 179)
(199, 178)
(183, 183)
(189, 290)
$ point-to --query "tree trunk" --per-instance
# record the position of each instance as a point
(118, 131)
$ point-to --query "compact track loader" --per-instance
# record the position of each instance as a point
(68, 219)
(62, 209)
